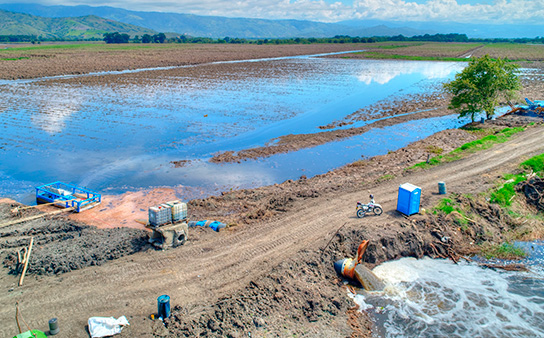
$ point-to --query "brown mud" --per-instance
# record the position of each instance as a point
(270, 273)
(73, 61)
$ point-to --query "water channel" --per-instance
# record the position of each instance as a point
(119, 131)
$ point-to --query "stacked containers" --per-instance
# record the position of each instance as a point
(159, 215)
(179, 210)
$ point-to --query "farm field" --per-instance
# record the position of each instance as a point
(35, 61)
(269, 274)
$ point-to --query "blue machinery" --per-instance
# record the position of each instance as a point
(532, 107)
(67, 196)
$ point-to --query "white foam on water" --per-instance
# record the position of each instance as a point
(437, 298)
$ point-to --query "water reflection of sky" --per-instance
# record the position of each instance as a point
(386, 71)
(122, 131)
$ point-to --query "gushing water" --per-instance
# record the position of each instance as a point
(437, 298)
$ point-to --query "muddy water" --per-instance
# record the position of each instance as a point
(119, 131)
(437, 298)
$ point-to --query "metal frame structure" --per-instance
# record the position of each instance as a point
(68, 196)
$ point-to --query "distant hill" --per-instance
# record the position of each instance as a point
(472, 30)
(220, 27)
(84, 27)
(214, 26)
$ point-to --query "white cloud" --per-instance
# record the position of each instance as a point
(485, 11)
(500, 11)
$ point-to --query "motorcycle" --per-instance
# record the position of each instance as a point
(362, 209)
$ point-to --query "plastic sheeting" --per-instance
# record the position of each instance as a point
(106, 326)
(214, 225)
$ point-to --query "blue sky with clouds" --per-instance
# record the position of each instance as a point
(473, 11)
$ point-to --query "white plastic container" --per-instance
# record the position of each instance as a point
(159, 215)
(179, 210)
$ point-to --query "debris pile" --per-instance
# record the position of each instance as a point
(534, 191)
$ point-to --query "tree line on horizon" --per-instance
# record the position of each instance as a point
(117, 37)
(452, 37)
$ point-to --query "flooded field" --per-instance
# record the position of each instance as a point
(115, 132)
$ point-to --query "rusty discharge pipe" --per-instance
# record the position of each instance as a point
(353, 269)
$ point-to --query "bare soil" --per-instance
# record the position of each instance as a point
(269, 274)
(68, 61)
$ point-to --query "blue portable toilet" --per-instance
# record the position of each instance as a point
(409, 198)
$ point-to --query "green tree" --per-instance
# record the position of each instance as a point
(146, 38)
(481, 86)
(116, 38)
(159, 38)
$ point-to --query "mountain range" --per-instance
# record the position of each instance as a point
(84, 27)
(220, 27)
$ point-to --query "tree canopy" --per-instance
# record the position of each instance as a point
(116, 37)
(481, 86)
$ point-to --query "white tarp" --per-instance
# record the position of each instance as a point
(104, 326)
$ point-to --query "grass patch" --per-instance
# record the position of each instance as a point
(432, 149)
(448, 207)
(536, 164)
(15, 59)
(380, 56)
(470, 147)
(502, 251)
(385, 178)
(504, 195)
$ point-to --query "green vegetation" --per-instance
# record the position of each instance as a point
(521, 223)
(432, 149)
(536, 164)
(18, 27)
(504, 195)
(502, 251)
(377, 55)
(482, 85)
(116, 38)
(471, 147)
(385, 178)
(447, 206)
(14, 59)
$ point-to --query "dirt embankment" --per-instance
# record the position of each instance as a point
(300, 296)
(272, 274)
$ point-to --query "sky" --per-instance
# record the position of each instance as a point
(473, 11)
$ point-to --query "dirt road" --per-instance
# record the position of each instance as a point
(218, 264)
